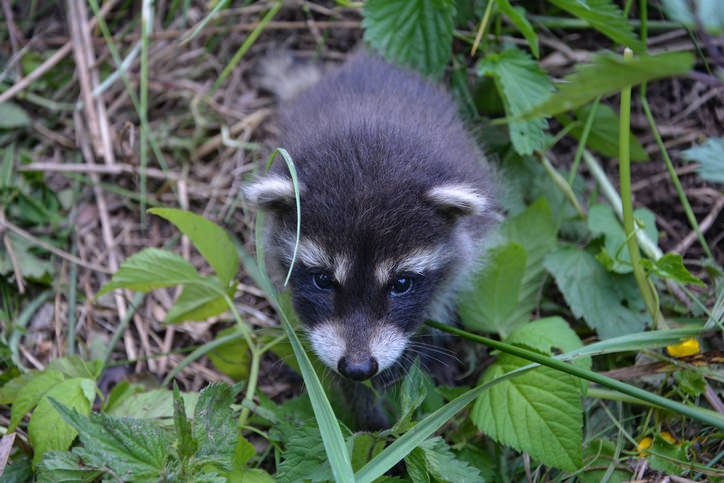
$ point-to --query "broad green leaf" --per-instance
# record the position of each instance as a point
(535, 231)
(607, 74)
(243, 453)
(693, 383)
(153, 404)
(150, 269)
(538, 412)
(363, 447)
(412, 394)
(607, 18)
(522, 85)
(416, 467)
(209, 239)
(443, 466)
(662, 452)
(417, 33)
(596, 457)
(609, 303)
(603, 138)
(232, 358)
(495, 293)
(214, 425)
(545, 335)
(64, 466)
(671, 266)
(517, 17)
(134, 448)
(711, 156)
(10, 390)
(603, 221)
(31, 393)
(249, 475)
(304, 457)
(77, 393)
(31, 265)
(200, 302)
(709, 12)
(13, 116)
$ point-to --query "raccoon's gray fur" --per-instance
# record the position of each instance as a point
(395, 201)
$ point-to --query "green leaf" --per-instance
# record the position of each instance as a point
(417, 33)
(545, 335)
(13, 116)
(77, 393)
(663, 455)
(494, 295)
(74, 366)
(607, 74)
(232, 358)
(6, 168)
(538, 412)
(671, 266)
(709, 12)
(304, 457)
(64, 466)
(31, 266)
(412, 393)
(31, 393)
(443, 466)
(133, 449)
(243, 453)
(535, 231)
(214, 425)
(609, 303)
(603, 221)
(209, 239)
(522, 85)
(150, 269)
(153, 404)
(711, 156)
(363, 447)
(250, 475)
(185, 442)
(416, 467)
(607, 18)
(200, 302)
(693, 383)
(517, 17)
(604, 138)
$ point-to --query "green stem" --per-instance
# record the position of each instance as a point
(627, 205)
(251, 384)
(481, 28)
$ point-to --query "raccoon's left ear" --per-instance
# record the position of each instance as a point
(456, 200)
(273, 193)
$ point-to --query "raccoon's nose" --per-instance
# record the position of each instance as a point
(359, 371)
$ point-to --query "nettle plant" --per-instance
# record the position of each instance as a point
(534, 397)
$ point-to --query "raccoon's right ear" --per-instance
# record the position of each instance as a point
(272, 193)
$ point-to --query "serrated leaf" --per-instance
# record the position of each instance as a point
(609, 303)
(607, 18)
(538, 412)
(210, 240)
(545, 335)
(30, 394)
(671, 266)
(200, 302)
(132, 448)
(304, 457)
(604, 137)
(153, 404)
(412, 393)
(214, 425)
(607, 74)
(243, 452)
(416, 468)
(185, 442)
(711, 156)
(57, 466)
(417, 33)
(74, 366)
(663, 452)
(13, 116)
(522, 85)
(363, 447)
(73, 393)
(709, 12)
(603, 221)
(443, 465)
(495, 293)
(249, 475)
(150, 269)
(517, 17)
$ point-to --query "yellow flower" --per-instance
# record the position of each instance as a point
(644, 444)
(686, 348)
(667, 436)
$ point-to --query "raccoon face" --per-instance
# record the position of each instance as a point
(372, 266)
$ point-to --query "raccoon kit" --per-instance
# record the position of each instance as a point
(395, 201)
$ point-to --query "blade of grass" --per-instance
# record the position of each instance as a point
(715, 419)
(146, 27)
(206, 20)
(121, 328)
(21, 322)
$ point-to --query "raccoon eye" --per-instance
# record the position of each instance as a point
(401, 286)
(322, 281)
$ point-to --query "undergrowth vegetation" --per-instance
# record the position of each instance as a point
(589, 346)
